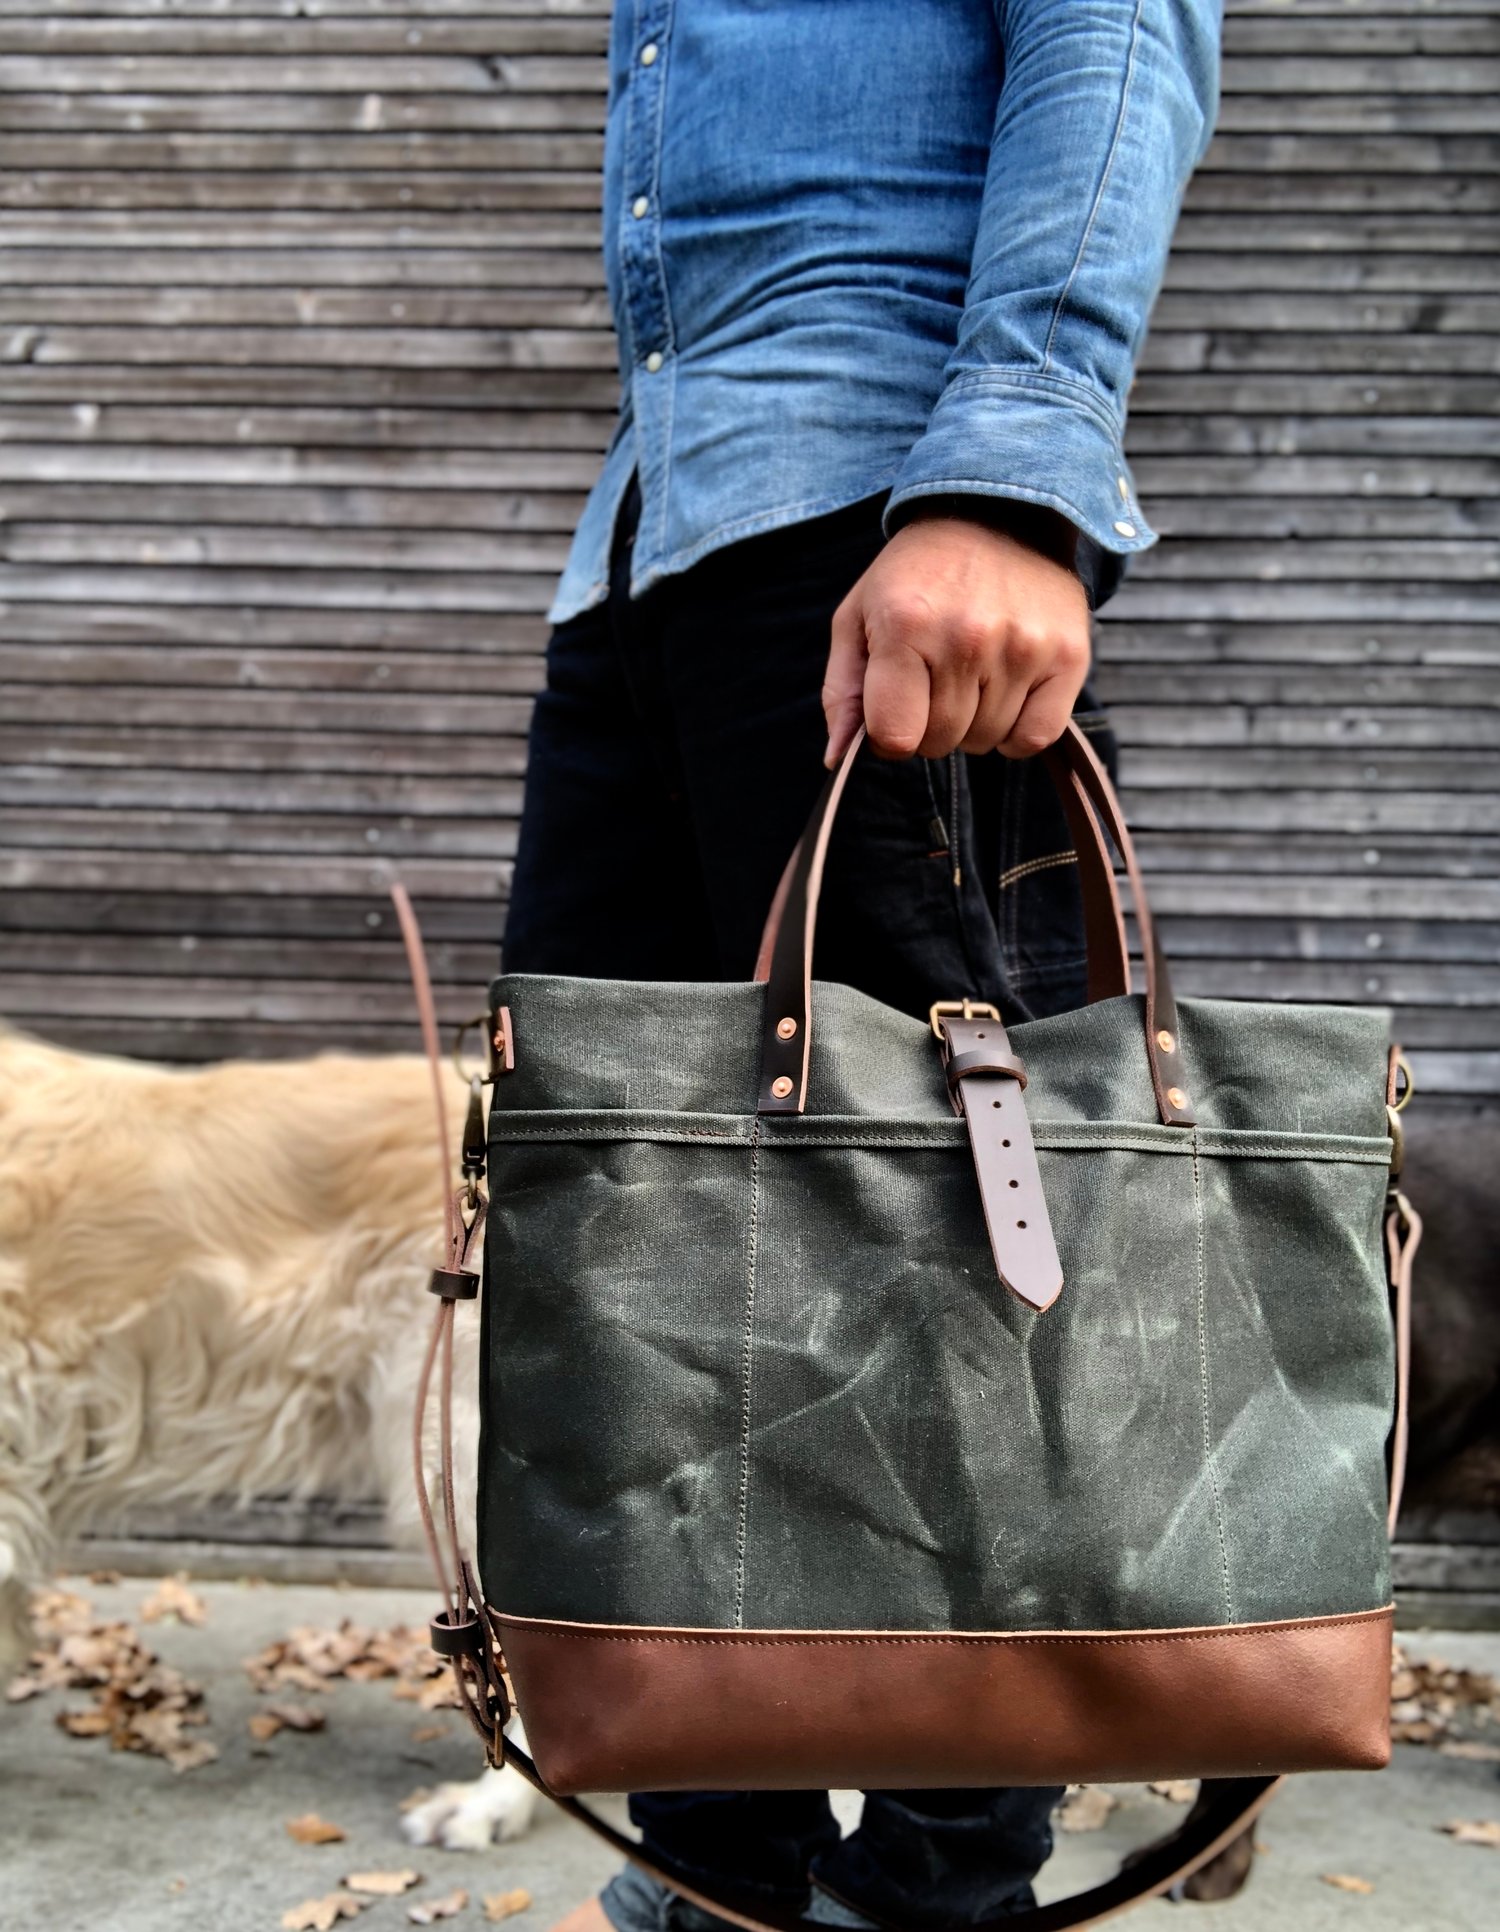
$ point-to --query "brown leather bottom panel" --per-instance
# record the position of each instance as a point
(616, 1708)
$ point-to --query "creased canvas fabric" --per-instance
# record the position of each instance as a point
(762, 1374)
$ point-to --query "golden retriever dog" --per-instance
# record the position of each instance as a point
(213, 1283)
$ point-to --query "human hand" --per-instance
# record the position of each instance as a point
(957, 637)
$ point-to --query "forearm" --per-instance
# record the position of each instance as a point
(1105, 107)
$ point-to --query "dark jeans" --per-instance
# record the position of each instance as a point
(675, 754)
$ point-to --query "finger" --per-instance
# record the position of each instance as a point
(844, 679)
(1000, 703)
(1043, 717)
(958, 667)
(897, 698)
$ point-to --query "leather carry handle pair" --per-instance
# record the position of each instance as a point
(467, 1634)
(1093, 811)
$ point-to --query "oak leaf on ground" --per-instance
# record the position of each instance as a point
(1474, 1831)
(1347, 1882)
(428, 1911)
(504, 1905)
(321, 1914)
(310, 1829)
(172, 1598)
(383, 1884)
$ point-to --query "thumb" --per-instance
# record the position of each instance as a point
(844, 679)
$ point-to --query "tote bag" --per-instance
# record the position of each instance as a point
(870, 1402)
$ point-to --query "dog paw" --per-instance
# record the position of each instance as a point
(468, 1817)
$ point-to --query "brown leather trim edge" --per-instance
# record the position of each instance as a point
(615, 1708)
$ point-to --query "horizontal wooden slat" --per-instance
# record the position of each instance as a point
(306, 366)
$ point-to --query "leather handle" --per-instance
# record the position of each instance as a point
(785, 960)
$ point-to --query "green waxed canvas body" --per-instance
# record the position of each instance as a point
(759, 1373)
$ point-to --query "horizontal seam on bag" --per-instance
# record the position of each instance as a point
(751, 1640)
(1058, 1137)
(957, 1639)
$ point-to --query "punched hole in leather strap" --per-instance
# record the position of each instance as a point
(986, 1079)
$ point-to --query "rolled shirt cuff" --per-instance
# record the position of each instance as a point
(1035, 439)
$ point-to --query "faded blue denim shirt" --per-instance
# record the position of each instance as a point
(865, 245)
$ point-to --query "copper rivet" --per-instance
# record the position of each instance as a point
(785, 1029)
(1177, 1097)
(1165, 1041)
(781, 1086)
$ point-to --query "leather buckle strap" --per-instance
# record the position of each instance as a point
(985, 1083)
(963, 1064)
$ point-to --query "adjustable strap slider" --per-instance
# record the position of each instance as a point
(453, 1284)
(457, 1637)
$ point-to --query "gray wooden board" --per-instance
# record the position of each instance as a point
(305, 368)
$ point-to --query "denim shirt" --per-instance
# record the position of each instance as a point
(857, 246)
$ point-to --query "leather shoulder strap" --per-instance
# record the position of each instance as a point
(1225, 1808)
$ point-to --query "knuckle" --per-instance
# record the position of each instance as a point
(904, 616)
(1026, 650)
(970, 642)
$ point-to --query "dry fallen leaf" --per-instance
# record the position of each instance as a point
(1347, 1882)
(1177, 1791)
(1430, 1697)
(1085, 1808)
(190, 1756)
(428, 1733)
(311, 1659)
(310, 1829)
(414, 1798)
(297, 1717)
(172, 1598)
(137, 1702)
(1475, 1752)
(90, 1723)
(429, 1910)
(264, 1726)
(1474, 1831)
(382, 1884)
(504, 1905)
(320, 1914)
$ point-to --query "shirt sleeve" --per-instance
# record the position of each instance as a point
(1105, 108)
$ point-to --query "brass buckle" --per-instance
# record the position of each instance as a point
(961, 1009)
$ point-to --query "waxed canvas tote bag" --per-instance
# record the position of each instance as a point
(869, 1402)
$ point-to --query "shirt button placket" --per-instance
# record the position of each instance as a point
(644, 272)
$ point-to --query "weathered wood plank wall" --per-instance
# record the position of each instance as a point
(305, 368)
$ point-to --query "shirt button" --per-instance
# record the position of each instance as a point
(1124, 487)
(639, 206)
(649, 53)
(653, 361)
(1126, 529)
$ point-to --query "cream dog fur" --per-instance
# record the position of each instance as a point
(213, 1283)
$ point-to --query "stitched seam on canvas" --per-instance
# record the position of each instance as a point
(1018, 872)
(745, 1639)
(742, 1507)
(1209, 1462)
(1053, 1136)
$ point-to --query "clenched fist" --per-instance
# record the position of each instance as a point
(958, 637)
